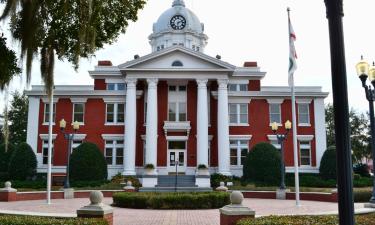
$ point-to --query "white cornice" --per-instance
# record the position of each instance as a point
(78, 100)
(113, 136)
(81, 94)
(272, 137)
(303, 100)
(46, 99)
(45, 136)
(240, 137)
(263, 94)
(275, 100)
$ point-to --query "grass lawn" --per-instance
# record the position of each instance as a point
(366, 219)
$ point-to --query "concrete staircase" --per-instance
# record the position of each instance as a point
(167, 183)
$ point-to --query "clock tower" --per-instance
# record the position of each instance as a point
(178, 26)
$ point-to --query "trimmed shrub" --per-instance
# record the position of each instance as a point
(22, 163)
(327, 168)
(119, 178)
(262, 165)
(216, 178)
(33, 220)
(310, 180)
(5, 157)
(362, 169)
(365, 219)
(151, 200)
(87, 163)
(362, 195)
(96, 183)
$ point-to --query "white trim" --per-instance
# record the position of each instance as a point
(79, 137)
(275, 100)
(304, 124)
(32, 123)
(303, 100)
(238, 82)
(238, 100)
(272, 137)
(78, 100)
(111, 137)
(305, 137)
(239, 124)
(114, 81)
(44, 137)
(45, 100)
(177, 138)
(114, 100)
(240, 137)
(320, 130)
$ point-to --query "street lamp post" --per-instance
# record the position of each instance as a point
(280, 140)
(365, 72)
(69, 137)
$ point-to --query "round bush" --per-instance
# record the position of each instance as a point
(152, 200)
(327, 169)
(5, 157)
(87, 163)
(262, 165)
(22, 163)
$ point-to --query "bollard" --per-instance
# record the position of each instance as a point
(129, 187)
(8, 194)
(231, 214)
(96, 209)
(222, 187)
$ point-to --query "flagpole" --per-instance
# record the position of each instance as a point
(49, 167)
(294, 123)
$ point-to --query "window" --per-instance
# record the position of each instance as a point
(305, 150)
(275, 113)
(158, 48)
(75, 144)
(115, 113)
(177, 145)
(238, 113)
(116, 86)
(303, 114)
(238, 152)
(45, 151)
(46, 113)
(78, 112)
(114, 152)
(209, 153)
(177, 103)
(276, 144)
(238, 87)
(177, 63)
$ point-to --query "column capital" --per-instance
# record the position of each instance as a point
(131, 82)
(152, 82)
(202, 83)
(223, 83)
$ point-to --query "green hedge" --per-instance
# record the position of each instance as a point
(119, 178)
(203, 200)
(31, 220)
(362, 195)
(327, 167)
(308, 220)
(216, 178)
(22, 163)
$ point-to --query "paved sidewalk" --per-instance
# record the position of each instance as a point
(263, 207)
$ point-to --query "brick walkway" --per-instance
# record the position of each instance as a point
(262, 207)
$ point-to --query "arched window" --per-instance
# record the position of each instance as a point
(177, 63)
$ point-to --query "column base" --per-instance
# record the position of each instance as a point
(370, 205)
(281, 193)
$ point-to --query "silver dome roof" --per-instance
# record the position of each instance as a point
(178, 8)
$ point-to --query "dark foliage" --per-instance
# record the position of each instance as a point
(33, 220)
(22, 164)
(87, 163)
(361, 169)
(327, 168)
(262, 165)
(5, 157)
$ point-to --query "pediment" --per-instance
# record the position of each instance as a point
(166, 59)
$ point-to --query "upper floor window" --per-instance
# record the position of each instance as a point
(115, 113)
(46, 113)
(177, 110)
(177, 63)
(238, 113)
(238, 87)
(275, 113)
(303, 114)
(114, 152)
(305, 153)
(116, 86)
(78, 112)
(238, 152)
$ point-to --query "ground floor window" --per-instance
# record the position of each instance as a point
(75, 144)
(275, 144)
(305, 153)
(45, 151)
(114, 152)
(238, 152)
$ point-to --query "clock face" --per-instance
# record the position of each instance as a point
(178, 22)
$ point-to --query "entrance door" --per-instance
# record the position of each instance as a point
(177, 156)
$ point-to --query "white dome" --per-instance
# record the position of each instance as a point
(178, 8)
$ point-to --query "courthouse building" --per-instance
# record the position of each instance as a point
(177, 105)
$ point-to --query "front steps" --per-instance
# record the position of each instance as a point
(167, 183)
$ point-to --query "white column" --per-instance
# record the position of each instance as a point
(130, 127)
(223, 128)
(202, 123)
(320, 130)
(152, 122)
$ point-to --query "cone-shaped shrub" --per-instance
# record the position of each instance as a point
(22, 164)
(327, 169)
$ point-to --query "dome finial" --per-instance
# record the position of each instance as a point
(178, 3)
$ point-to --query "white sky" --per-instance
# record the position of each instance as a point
(250, 30)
